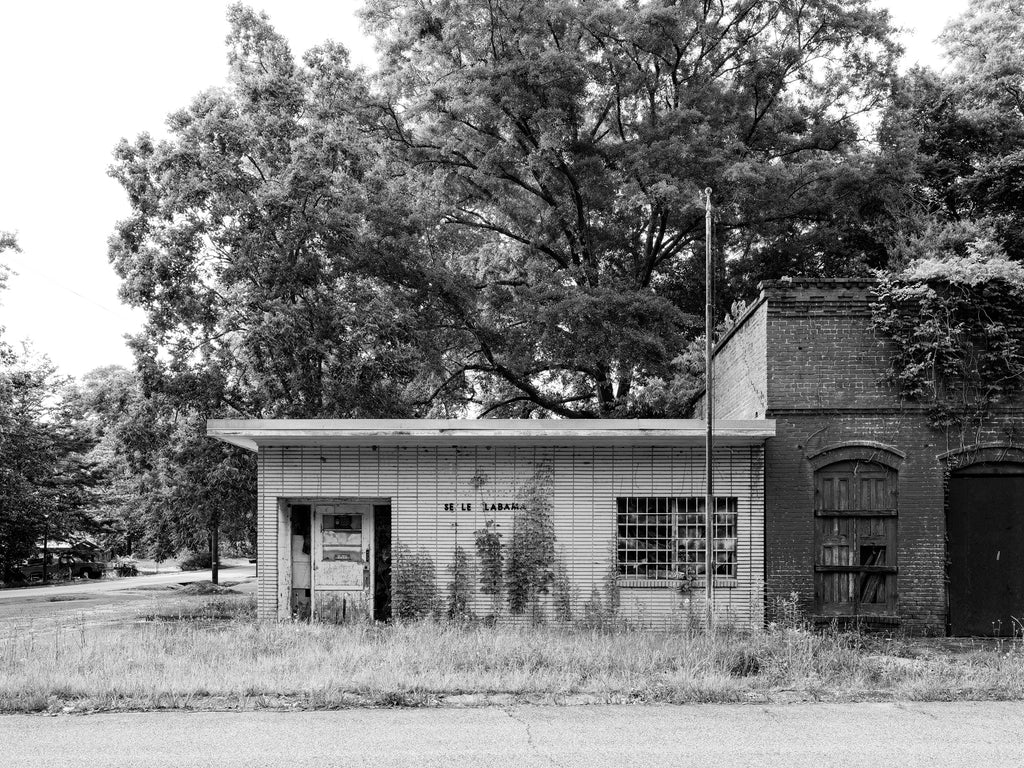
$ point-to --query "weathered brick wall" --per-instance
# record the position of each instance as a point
(789, 489)
(822, 350)
(740, 369)
(825, 367)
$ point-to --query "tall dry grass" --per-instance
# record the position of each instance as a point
(199, 658)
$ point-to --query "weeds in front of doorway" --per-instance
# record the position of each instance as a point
(207, 653)
(414, 584)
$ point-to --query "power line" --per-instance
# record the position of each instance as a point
(121, 314)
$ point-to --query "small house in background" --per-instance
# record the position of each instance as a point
(871, 513)
(363, 518)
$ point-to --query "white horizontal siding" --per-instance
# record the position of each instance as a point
(585, 483)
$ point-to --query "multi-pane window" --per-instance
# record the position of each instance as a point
(662, 538)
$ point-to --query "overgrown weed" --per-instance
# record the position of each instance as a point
(208, 653)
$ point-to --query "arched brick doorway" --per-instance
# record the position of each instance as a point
(855, 540)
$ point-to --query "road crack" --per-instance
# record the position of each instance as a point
(915, 710)
(529, 737)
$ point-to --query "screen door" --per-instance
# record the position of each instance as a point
(342, 562)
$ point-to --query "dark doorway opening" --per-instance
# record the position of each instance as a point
(985, 550)
(382, 562)
(301, 516)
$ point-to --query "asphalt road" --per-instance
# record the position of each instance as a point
(94, 587)
(104, 601)
(789, 736)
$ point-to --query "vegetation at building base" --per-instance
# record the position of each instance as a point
(522, 572)
(460, 588)
(530, 559)
(207, 653)
(414, 584)
(492, 563)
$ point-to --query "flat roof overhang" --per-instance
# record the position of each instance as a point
(256, 433)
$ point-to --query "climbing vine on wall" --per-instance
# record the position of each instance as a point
(957, 327)
(492, 564)
(460, 588)
(529, 568)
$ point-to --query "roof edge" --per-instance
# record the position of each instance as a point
(252, 433)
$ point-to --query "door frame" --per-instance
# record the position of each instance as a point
(284, 570)
(961, 459)
(855, 514)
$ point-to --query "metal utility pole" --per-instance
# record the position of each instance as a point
(46, 535)
(709, 497)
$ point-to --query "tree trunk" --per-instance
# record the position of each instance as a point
(215, 548)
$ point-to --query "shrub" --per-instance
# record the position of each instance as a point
(413, 584)
(196, 561)
(563, 593)
(492, 566)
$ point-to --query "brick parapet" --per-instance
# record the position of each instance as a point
(822, 349)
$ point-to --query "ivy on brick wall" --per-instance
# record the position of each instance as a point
(957, 327)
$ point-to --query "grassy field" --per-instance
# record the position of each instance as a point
(206, 653)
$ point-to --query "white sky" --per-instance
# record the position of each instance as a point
(76, 77)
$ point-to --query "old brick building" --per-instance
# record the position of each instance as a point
(870, 512)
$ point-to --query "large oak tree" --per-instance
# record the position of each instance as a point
(560, 148)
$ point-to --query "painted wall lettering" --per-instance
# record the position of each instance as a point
(496, 506)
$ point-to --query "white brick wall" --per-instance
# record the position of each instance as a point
(586, 482)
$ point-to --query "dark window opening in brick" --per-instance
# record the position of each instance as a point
(855, 539)
(662, 538)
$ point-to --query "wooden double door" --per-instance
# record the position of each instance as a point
(855, 518)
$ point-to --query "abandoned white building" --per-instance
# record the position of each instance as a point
(342, 502)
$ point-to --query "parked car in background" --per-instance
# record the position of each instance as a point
(66, 565)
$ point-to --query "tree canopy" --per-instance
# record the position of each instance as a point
(237, 246)
(959, 138)
(564, 145)
(503, 221)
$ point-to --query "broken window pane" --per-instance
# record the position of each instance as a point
(663, 538)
